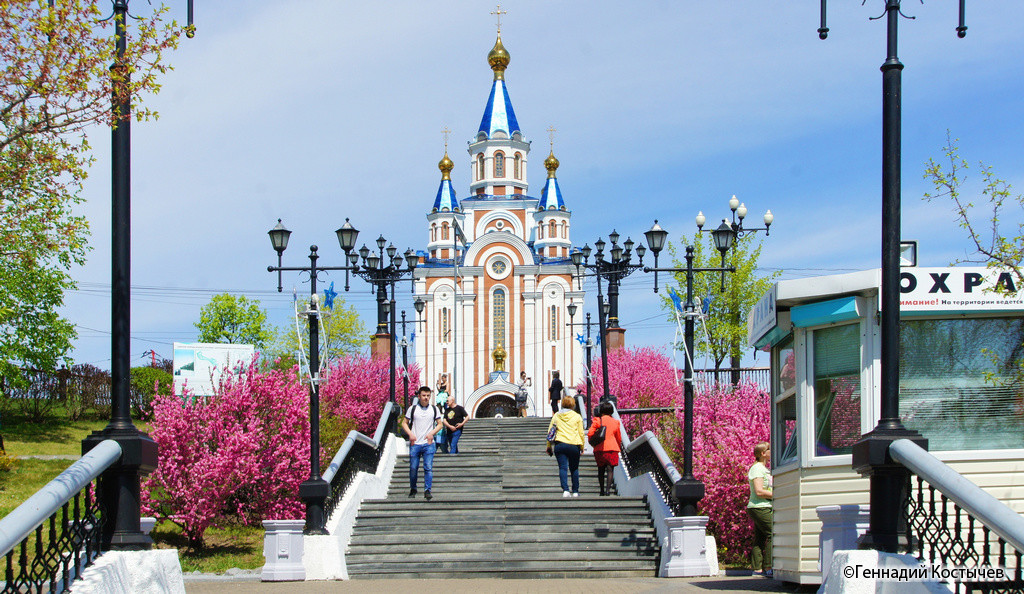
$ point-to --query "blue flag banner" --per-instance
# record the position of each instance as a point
(676, 300)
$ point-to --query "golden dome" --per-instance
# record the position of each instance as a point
(446, 166)
(498, 58)
(551, 164)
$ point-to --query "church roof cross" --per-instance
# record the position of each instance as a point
(498, 11)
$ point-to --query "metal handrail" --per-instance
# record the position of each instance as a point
(358, 453)
(996, 515)
(21, 522)
(663, 471)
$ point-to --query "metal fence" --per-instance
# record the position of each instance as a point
(761, 376)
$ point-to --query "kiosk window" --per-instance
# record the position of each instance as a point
(836, 389)
(960, 382)
(784, 432)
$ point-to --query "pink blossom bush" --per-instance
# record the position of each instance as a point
(727, 423)
(357, 388)
(639, 377)
(239, 455)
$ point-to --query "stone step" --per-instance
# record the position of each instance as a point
(636, 535)
(489, 564)
(502, 555)
(468, 502)
(449, 574)
(644, 546)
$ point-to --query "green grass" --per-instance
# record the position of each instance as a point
(231, 546)
(27, 477)
(55, 436)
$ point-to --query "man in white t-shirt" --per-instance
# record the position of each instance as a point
(421, 422)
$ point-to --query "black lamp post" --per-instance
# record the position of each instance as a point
(382, 273)
(618, 266)
(871, 453)
(313, 491)
(405, 365)
(572, 308)
(690, 490)
(119, 488)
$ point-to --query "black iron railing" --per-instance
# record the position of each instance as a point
(358, 453)
(645, 455)
(950, 522)
(50, 539)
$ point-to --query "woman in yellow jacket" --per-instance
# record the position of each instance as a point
(567, 444)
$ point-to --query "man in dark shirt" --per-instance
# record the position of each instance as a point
(454, 418)
(555, 392)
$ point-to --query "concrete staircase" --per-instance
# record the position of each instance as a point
(498, 511)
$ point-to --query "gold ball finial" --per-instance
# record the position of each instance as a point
(498, 58)
(551, 164)
(446, 166)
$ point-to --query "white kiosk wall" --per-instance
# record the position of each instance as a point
(961, 342)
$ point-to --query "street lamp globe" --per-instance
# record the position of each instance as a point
(572, 310)
(723, 237)
(656, 238)
(279, 237)
(419, 304)
(347, 235)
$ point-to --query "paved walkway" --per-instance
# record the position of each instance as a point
(729, 583)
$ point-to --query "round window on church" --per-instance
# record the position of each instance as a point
(499, 268)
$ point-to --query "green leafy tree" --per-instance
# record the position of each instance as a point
(992, 245)
(726, 322)
(342, 333)
(234, 319)
(145, 383)
(55, 82)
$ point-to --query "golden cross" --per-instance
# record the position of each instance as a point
(446, 132)
(498, 11)
(551, 136)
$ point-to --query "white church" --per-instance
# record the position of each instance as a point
(496, 275)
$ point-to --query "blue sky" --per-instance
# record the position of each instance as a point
(317, 111)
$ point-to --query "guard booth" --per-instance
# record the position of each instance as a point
(961, 350)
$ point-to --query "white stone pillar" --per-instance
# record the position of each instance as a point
(684, 552)
(282, 547)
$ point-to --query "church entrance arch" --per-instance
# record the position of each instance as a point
(498, 404)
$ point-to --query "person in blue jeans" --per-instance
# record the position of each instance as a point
(454, 418)
(421, 422)
(566, 445)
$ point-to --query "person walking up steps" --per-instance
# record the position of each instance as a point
(421, 422)
(567, 444)
(555, 392)
(606, 453)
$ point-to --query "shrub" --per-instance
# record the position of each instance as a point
(146, 382)
(357, 388)
(727, 423)
(639, 378)
(238, 455)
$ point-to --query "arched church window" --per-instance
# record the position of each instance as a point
(444, 231)
(498, 318)
(564, 232)
(552, 231)
(515, 166)
(480, 166)
(499, 165)
(445, 334)
(553, 331)
(433, 232)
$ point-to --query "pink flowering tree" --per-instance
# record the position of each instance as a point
(237, 456)
(727, 423)
(639, 377)
(357, 388)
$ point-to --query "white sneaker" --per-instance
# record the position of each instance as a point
(565, 493)
(575, 494)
